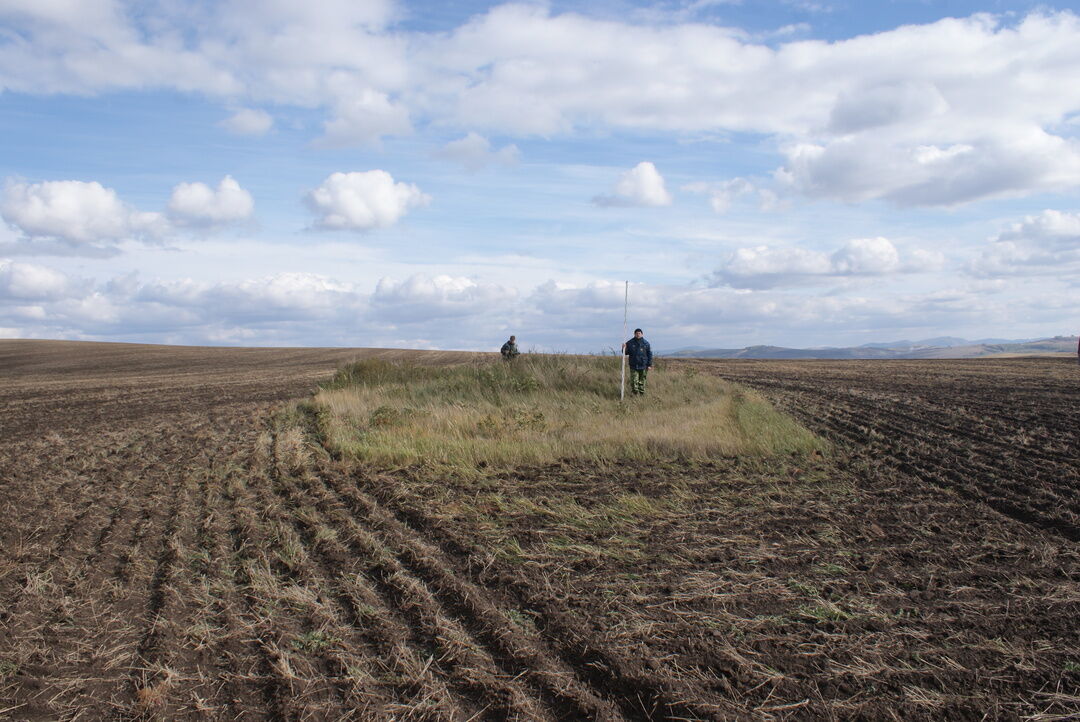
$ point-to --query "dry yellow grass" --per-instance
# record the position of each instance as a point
(540, 409)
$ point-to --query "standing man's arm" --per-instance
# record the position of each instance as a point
(648, 350)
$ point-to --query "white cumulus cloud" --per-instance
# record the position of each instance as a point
(197, 204)
(866, 255)
(761, 267)
(363, 201)
(861, 168)
(423, 297)
(75, 211)
(642, 185)
(282, 296)
(31, 282)
(600, 297)
(363, 117)
(1039, 245)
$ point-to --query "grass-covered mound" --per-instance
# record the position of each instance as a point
(540, 409)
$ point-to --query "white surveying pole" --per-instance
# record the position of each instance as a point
(622, 351)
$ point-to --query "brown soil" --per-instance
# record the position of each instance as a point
(169, 552)
(999, 432)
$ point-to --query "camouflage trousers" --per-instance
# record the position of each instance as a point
(637, 380)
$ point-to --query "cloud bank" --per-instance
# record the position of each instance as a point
(1047, 244)
(762, 267)
(911, 115)
(446, 311)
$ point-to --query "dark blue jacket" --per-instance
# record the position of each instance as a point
(640, 353)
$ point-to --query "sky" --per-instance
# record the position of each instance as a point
(444, 174)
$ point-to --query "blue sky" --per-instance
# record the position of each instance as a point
(440, 175)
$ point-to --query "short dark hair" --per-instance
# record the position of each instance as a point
(638, 330)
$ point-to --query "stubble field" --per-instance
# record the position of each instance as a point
(175, 546)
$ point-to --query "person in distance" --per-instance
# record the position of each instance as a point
(509, 349)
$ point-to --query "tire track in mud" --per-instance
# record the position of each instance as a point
(562, 650)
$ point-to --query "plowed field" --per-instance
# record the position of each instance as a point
(1005, 433)
(173, 549)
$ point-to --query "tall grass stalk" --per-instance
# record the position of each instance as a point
(539, 409)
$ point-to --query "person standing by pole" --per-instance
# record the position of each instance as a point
(640, 355)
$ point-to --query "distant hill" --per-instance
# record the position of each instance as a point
(944, 342)
(943, 347)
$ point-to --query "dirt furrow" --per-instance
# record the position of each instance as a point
(993, 474)
(165, 460)
(88, 520)
(56, 565)
(914, 424)
(572, 661)
(158, 671)
(454, 695)
(467, 661)
(953, 476)
(164, 559)
(219, 662)
(1030, 488)
(88, 600)
(269, 621)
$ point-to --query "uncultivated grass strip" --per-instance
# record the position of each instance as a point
(538, 410)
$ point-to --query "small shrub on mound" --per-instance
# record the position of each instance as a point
(540, 409)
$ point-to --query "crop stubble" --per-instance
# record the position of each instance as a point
(170, 552)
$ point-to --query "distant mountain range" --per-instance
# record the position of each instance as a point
(941, 347)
